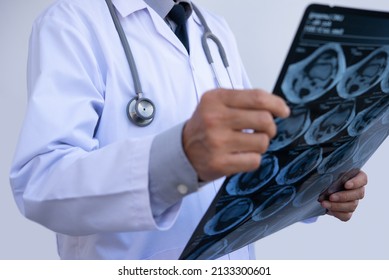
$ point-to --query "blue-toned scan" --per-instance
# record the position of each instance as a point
(283, 221)
(311, 188)
(291, 128)
(364, 75)
(210, 251)
(248, 233)
(385, 81)
(365, 150)
(250, 182)
(366, 118)
(230, 216)
(385, 118)
(312, 77)
(278, 198)
(245, 235)
(338, 158)
(331, 123)
(300, 166)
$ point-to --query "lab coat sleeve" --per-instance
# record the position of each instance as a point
(61, 177)
(171, 174)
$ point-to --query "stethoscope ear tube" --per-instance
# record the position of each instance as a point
(209, 35)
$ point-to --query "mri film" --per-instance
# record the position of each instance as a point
(291, 128)
(228, 217)
(335, 80)
(385, 118)
(309, 79)
(366, 118)
(212, 250)
(338, 158)
(331, 123)
(277, 197)
(310, 189)
(247, 234)
(242, 236)
(385, 81)
(364, 75)
(300, 166)
(247, 183)
(364, 151)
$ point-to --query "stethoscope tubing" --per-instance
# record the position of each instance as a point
(127, 49)
(133, 107)
(208, 34)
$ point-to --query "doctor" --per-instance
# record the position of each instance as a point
(112, 189)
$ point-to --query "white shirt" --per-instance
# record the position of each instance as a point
(81, 168)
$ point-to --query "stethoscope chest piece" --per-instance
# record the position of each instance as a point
(140, 111)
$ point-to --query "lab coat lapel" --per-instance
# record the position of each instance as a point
(164, 30)
(126, 8)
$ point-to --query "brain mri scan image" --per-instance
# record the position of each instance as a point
(291, 128)
(210, 250)
(338, 158)
(300, 166)
(331, 123)
(242, 236)
(310, 189)
(364, 150)
(245, 235)
(274, 227)
(366, 118)
(385, 81)
(278, 197)
(385, 118)
(364, 75)
(335, 80)
(285, 220)
(230, 216)
(247, 183)
(312, 77)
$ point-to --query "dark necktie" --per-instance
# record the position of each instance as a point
(178, 16)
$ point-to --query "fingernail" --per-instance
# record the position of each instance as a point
(349, 185)
(334, 197)
(326, 204)
(287, 111)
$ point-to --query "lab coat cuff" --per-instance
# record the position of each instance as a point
(171, 175)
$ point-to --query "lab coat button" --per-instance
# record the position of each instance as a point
(182, 189)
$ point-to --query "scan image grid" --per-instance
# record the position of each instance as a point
(339, 116)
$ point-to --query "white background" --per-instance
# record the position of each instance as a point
(264, 30)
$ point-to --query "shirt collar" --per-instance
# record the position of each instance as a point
(126, 7)
(162, 7)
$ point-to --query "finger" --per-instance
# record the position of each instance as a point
(356, 182)
(259, 121)
(236, 163)
(348, 195)
(240, 142)
(255, 100)
(340, 207)
(341, 215)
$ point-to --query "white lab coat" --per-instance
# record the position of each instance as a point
(81, 168)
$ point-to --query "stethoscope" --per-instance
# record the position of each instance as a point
(141, 110)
